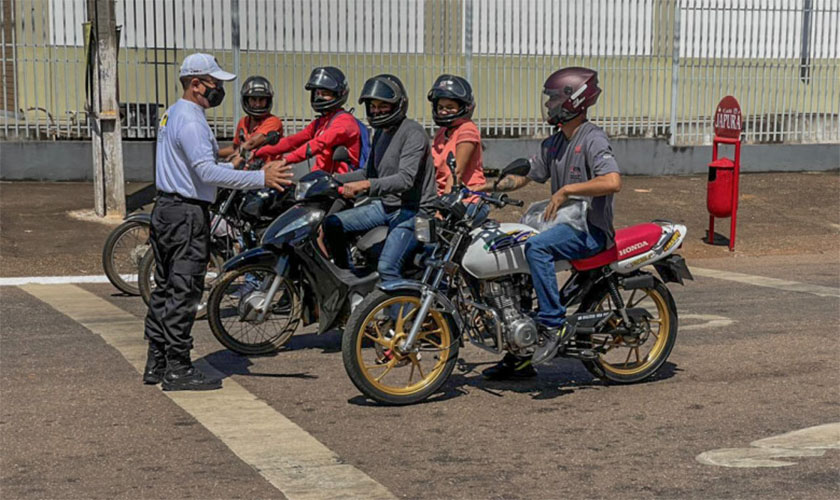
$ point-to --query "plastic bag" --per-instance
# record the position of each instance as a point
(572, 213)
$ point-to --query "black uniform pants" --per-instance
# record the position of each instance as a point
(180, 239)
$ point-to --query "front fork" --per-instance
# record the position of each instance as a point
(280, 270)
(427, 296)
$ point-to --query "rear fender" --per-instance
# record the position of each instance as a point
(141, 217)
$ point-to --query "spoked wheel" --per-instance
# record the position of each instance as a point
(628, 358)
(146, 279)
(232, 311)
(371, 351)
(122, 253)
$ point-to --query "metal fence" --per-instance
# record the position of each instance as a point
(663, 64)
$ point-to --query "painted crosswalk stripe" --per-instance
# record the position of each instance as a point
(291, 459)
(749, 279)
(61, 280)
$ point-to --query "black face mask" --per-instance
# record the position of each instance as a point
(214, 95)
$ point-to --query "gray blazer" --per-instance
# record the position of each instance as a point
(400, 168)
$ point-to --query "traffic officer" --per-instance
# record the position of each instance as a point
(187, 175)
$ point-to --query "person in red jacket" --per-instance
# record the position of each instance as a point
(257, 98)
(333, 127)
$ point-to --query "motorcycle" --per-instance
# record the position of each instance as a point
(402, 342)
(267, 291)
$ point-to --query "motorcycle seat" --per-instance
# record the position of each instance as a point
(629, 242)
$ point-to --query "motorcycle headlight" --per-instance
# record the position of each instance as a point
(302, 189)
(424, 229)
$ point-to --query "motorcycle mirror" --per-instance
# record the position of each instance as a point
(520, 166)
(341, 154)
(272, 137)
(450, 162)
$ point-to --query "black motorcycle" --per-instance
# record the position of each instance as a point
(265, 293)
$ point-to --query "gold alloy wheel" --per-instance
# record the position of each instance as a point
(384, 366)
(627, 356)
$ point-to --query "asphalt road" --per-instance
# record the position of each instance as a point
(76, 421)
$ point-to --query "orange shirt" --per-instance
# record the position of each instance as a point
(268, 124)
(443, 146)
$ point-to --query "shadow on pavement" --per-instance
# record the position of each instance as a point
(549, 384)
(230, 363)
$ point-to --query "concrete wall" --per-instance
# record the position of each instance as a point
(72, 160)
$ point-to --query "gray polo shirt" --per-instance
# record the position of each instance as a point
(586, 155)
(185, 162)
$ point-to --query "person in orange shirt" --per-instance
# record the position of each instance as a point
(333, 127)
(457, 143)
(257, 98)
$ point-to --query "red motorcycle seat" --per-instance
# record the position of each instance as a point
(629, 241)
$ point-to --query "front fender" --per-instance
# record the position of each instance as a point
(416, 286)
(257, 255)
(142, 217)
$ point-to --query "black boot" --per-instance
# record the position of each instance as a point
(155, 364)
(510, 367)
(181, 375)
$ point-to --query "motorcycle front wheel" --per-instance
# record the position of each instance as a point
(375, 364)
(234, 319)
(122, 253)
(626, 359)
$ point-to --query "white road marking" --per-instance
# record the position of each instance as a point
(709, 321)
(808, 442)
(291, 459)
(749, 279)
(61, 280)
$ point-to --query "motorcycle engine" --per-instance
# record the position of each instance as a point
(519, 330)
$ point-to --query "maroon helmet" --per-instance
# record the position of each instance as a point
(568, 92)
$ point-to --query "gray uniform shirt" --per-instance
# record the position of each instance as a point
(586, 155)
(400, 168)
(185, 161)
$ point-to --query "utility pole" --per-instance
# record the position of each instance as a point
(108, 178)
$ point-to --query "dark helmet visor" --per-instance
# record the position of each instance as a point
(375, 88)
(320, 79)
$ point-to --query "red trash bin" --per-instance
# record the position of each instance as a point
(721, 186)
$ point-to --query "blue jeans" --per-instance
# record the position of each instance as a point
(399, 246)
(561, 242)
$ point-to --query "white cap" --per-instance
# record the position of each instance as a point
(199, 64)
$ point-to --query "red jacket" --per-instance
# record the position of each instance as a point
(319, 139)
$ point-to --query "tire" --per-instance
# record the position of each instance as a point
(146, 280)
(228, 304)
(124, 249)
(661, 343)
(441, 348)
(146, 276)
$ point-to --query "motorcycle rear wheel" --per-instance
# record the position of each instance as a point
(229, 300)
(122, 253)
(375, 365)
(658, 339)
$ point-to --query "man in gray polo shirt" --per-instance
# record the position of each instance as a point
(579, 161)
(187, 173)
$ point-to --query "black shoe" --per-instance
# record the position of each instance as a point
(181, 375)
(510, 367)
(155, 364)
(553, 338)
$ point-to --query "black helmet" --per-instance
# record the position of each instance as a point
(455, 88)
(387, 88)
(327, 78)
(256, 86)
(568, 92)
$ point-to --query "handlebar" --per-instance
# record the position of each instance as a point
(499, 202)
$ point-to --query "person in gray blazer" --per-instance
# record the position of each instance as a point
(400, 172)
